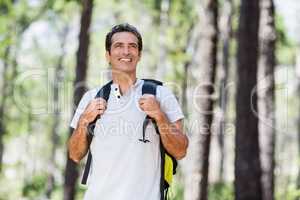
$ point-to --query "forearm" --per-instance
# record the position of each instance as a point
(173, 139)
(78, 143)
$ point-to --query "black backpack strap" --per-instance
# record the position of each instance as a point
(104, 93)
(162, 185)
(149, 87)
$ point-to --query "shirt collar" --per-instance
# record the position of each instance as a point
(137, 83)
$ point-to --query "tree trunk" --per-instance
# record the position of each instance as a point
(58, 78)
(9, 81)
(297, 69)
(162, 38)
(189, 49)
(8, 89)
(226, 33)
(209, 39)
(3, 102)
(266, 97)
(190, 165)
(207, 57)
(71, 171)
(247, 162)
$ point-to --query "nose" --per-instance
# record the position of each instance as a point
(125, 50)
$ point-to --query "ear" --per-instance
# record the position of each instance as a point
(140, 55)
(107, 56)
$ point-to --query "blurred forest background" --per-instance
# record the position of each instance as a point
(233, 64)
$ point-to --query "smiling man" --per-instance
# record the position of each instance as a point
(124, 166)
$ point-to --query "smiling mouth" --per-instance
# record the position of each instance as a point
(125, 59)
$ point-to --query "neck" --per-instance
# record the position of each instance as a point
(124, 81)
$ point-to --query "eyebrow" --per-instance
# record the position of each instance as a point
(131, 43)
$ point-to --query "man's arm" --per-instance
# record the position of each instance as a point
(172, 136)
(78, 143)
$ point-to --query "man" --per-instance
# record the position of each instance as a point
(123, 167)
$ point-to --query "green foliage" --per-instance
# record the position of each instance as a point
(5, 6)
(154, 8)
(221, 191)
(35, 186)
(80, 192)
(63, 6)
(176, 191)
(286, 48)
(289, 193)
(217, 191)
(183, 17)
(282, 37)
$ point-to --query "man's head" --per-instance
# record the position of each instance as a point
(123, 48)
(123, 28)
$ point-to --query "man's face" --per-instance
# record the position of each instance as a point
(124, 53)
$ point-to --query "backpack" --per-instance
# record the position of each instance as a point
(168, 162)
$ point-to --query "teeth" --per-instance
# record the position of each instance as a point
(125, 59)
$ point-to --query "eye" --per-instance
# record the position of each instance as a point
(133, 45)
(117, 45)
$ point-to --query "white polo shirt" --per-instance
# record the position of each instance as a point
(124, 168)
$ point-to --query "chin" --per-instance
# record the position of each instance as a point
(126, 70)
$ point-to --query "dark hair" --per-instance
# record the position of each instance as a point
(123, 28)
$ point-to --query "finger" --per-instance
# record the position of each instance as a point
(142, 108)
(97, 103)
(96, 108)
(142, 104)
(143, 100)
(100, 107)
(101, 112)
(99, 100)
(148, 96)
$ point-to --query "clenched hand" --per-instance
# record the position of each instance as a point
(96, 107)
(150, 106)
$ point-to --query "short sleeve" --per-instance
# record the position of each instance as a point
(85, 100)
(169, 104)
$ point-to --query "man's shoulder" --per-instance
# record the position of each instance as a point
(91, 93)
(94, 90)
(155, 81)
(164, 89)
